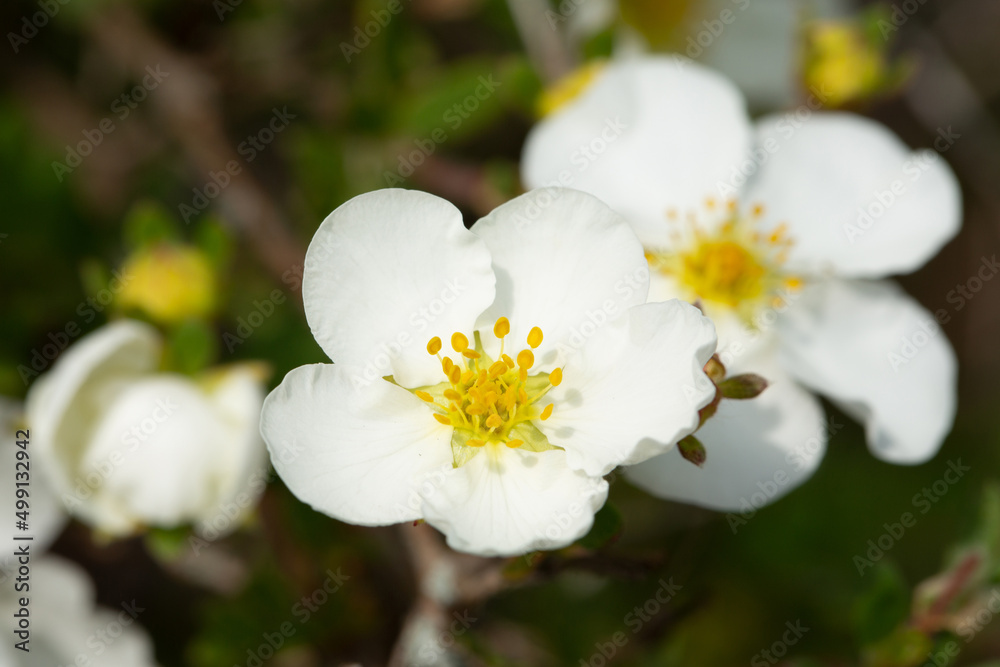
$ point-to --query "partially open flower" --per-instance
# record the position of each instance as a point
(127, 446)
(776, 229)
(169, 283)
(485, 380)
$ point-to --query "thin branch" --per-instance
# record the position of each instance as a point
(191, 114)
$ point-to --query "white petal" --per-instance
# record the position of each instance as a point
(506, 502)
(857, 201)
(61, 404)
(237, 395)
(650, 134)
(159, 455)
(564, 262)
(387, 271)
(757, 449)
(635, 389)
(357, 453)
(882, 357)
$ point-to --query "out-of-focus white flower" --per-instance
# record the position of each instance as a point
(66, 628)
(45, 514)
(776, 228)
(556, 371)
(127, 446)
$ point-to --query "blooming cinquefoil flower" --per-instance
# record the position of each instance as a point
(485, 380)
(66, 627)
(127, 446)
(776, 229)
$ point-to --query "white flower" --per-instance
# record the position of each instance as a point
(519, 366)
(65, 626)
(782, 261)
(127, 446)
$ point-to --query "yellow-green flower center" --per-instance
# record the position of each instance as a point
(487, 401)
(731, 264)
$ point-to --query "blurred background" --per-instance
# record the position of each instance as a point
(229, 129)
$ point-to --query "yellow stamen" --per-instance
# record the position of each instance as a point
(555, 377)
(514, 444)
(547, 412)
(501, 328)
(434, 345)
(441, 418)
(525, 359)
(424, 396)
(459, 342)
(535, 337)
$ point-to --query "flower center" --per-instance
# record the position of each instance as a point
(736, 265)
(490, 401)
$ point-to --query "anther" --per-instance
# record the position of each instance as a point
(525, 359)
(501, 328)
(459, 342)
(555, 377)
(534, 338)
(434, 345)
(424, 396)
(547, 412)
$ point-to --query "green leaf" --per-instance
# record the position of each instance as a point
(883, 606)
(191, 347)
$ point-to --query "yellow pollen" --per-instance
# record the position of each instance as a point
(534, 338)
(721, 256)
(487, 400)
(434, 345)
(501, 328)
(459, 342)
